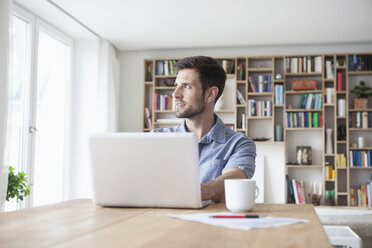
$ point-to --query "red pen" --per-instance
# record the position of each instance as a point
(234, 216)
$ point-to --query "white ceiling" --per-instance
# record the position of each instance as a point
(171, 24)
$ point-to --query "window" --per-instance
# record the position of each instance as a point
(39, 107)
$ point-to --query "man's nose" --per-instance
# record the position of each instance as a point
(176, 93)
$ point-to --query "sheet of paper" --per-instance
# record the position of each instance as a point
(240, 223)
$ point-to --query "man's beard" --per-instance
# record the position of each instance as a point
(190, 112)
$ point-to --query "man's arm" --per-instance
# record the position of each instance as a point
(215, 189)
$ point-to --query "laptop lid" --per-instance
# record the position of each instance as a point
(145, 170)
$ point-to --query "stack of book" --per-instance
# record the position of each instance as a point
(163, 101)
(341, 160)
(360, 158)
(279, 94)
(362, 196)
(304, 64)
(295, 191)
(360, 119)
(165, 67)
(262, 83)
(311, 101)
(360, 62)
(259, 108)
(304, 119)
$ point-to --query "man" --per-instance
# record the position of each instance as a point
(223, 153)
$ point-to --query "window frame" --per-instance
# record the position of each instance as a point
(36, 25)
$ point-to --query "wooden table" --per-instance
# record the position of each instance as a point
(79, 223)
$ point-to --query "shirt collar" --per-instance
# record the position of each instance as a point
(217, 133)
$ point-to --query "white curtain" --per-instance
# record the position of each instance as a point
(107, 88)
(5, 21)
(96, 91)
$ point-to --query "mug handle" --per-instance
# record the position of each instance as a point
(257, 192)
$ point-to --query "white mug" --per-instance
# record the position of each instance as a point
(240, 194)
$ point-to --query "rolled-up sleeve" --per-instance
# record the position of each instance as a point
(243, 156)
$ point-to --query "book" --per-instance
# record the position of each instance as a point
(295, 192)
(240, 97)
(148, 118)
(339, 81)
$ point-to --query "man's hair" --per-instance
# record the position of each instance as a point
(210, 72)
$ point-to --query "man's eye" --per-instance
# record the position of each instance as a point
(187, 86)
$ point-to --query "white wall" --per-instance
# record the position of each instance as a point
(131, 95)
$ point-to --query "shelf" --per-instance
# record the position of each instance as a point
(303, 110)
(360, 110)
(360, 168)
(259, 117)
(225, 111)
(278, 80)
(357, 148)
(260, 69)
(329, 155)
(298, 92)
(230, 76)
(329, 105)
(341, 92)
(165, 88)
(304, 166)
(163, 111)
(240, 106)
(341, 142)
(341, 117)
(341, 168)
(304, 129)
(342, 193)
(360, 73)
(241, 81)
(330, 180)
(360, 129)
(148, 83)
(303, 74)
(240, 130)
(341, 67)
(328, 80)
(165, 76)
(260, 93)
(278, 105)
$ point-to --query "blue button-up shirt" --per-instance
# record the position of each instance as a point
(221, 148)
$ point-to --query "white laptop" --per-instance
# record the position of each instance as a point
(146, 170)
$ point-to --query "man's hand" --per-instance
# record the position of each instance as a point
(215, 190)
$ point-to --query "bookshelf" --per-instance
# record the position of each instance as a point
(264, 106)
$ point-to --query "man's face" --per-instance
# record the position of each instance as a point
(188, 94)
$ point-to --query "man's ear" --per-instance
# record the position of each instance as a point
(211, 95)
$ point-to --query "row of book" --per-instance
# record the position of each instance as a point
(330, 172)
(304, 64)
(295, 191)
(262, 83)
(165, 67)
(259, 108)
(360, 119)
(341, 160)
(279, 94)
(304, 119)
(360, 62)
(163, 101)
(362, 196)
(360, 158)
(148, 122)
(311, 101)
